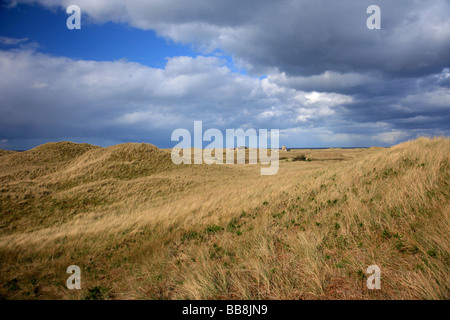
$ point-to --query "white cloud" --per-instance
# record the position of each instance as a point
(12, 41)
(391, 137)
(437, 98)
(57, 94)
(329, 80)
(326, 99)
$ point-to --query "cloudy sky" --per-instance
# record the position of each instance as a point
(139, 69)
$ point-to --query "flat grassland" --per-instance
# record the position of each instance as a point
(141, 227)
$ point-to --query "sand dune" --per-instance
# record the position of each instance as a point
(141, 227)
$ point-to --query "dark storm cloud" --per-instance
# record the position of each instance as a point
(297, 36)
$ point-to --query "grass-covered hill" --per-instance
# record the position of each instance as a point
(141, 227)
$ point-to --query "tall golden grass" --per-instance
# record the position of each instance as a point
(141, 227)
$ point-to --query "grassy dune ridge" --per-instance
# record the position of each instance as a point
(141, 227)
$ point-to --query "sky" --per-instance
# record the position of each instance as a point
(139, 69)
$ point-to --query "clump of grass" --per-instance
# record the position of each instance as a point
(213, 229)
(97, 293)
(301, 157)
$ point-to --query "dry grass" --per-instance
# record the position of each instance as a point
(141, 227)
(5, 152)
